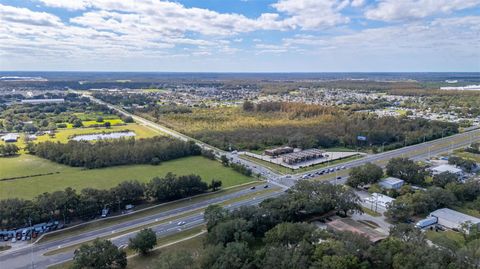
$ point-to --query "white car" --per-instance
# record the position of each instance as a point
(181, 223)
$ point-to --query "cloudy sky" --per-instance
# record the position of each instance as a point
(240, 35)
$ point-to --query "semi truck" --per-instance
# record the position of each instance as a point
(426, 222)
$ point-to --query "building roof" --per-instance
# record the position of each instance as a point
(36, 101)
(454, 216)
(380, 198)
(392, 181)
(10, 137)
(353, 226)
(446, 168)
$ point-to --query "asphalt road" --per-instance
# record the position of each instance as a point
(21, 258)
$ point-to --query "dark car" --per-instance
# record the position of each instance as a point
(252, 188)
(266, 186)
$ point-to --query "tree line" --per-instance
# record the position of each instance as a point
(106, 153)
(8, 150)
(68, 205)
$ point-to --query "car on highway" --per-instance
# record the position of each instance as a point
(343, 167)
(252, 188)
(339, 177)
(181, 223)
(266, 186)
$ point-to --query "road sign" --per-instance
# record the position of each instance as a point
(361, 138)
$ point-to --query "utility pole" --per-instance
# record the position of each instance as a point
(31, 244)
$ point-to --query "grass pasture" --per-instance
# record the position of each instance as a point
(53, 176)
(63, 135)
(113, 122)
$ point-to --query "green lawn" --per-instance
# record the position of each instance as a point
(93, 122)
(467, 155)
(194, 246)
(79, 178)
(449, 239)
(63, 135)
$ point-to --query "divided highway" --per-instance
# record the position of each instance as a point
(21, 258)
(162, 223)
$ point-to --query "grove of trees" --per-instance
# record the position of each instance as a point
(101, 254)
(8, 150)
(107, 153)
(263, 125)
(366, 174)
(69, 205)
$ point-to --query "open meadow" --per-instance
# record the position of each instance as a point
(64, 134)
(58, 177)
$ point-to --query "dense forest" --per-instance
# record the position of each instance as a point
(69, 205)
(303, 125)
(105, 153)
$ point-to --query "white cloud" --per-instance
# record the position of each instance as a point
(9, 14)
(67, 4)
(457, 36)
(312, 14)
(391, 10)
(358, 3)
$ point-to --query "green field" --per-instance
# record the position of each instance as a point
(467, 155)
(93, 122)
(79, 178)
(63, 135)
(447, 238)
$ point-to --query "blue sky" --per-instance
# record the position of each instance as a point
(240, 35)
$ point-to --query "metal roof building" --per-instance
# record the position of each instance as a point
(10, 137)
(391, 183)
(42, 101)
(453, 219)
(301, 156)
(446, 168)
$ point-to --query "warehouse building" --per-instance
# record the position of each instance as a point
(452, 219)
(42, 101)
(446, 168)
(10, 138)
(302, 156)
(391, 183)
(278, 151)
